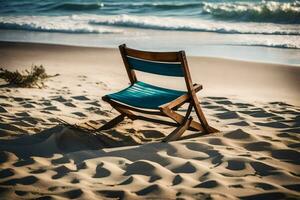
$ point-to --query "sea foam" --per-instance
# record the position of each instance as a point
(265, 11)
(181, 24)
(63, 24)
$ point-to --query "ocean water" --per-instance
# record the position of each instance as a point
(245, 29)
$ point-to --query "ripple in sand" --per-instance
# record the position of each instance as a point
(186, 168)
(258, 146)
(116, 194)
(177, 180)
(21, 193)
(228, 115)
(258, 114)
(208, 184)
(38, 171)
(217, 98)
(28, 180)
(81, 166)
(3, 110)
(69, 104)
(237, 135)
(154, 178)
(295, 187)
(61, 172)
(128, 181)
(235, 165)
(215, 141)
(240, 123)
(4, 157)
(79, 114)
(80, 98)
(264, 186)
(292, 130)
(198, 146)
(263, 169)
(272, 124)
(24, 162)
(7, 173)
(101, 172)
(140, 167)
(73, 194)
(287, 155)
(150, 189)
(52, 108)
(266, 196)
(11, 127)
(152, 134)
(294, 145)
(59, 99)
(75, 181)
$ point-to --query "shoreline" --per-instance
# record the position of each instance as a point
(194, 43)
(192, 55)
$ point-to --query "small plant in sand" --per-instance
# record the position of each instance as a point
(34, 77)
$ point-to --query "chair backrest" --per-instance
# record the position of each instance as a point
(162, 63)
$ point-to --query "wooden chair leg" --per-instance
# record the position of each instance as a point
(179, 119)
(112, 122)
(178, 131)
(126, 112)
(201, 117)
(184, 125)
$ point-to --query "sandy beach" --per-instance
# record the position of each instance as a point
(256, 107)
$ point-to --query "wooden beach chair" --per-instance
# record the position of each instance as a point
(149, 99)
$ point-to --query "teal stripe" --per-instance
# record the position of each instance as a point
(161, 68)
(144, 95)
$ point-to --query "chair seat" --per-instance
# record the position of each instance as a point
(143, 95)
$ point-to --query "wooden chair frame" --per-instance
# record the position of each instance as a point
(168, 110)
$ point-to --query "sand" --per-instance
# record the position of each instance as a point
(254, 156)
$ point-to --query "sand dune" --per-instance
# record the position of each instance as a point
(255, 156)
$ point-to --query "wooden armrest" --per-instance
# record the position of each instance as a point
(197, 87)
(182, 99)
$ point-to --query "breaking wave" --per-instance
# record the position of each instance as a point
(63, 24)
(180, 24)
(266, 11)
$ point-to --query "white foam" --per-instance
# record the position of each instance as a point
(184, 24)
(64, 24)
(254, 34)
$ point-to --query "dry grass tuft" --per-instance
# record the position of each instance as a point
(34, 77)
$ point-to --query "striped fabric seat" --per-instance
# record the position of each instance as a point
(144, 95)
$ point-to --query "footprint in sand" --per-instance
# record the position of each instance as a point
(60, 172)
(147, 190)
(258, 146)
(24, 162)
(59, 99)
(3, 110)
(186, 168)
(73, 194)
(238, 134)
(208, 184)
(4, 173)
(114, 194)
(80, 98)
(79, 114)
(152, 134)
(28, 180)
(69, 104)
(101, 172)
(235, 165)
(228, 115)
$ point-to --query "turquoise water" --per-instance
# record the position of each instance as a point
(164, 25)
